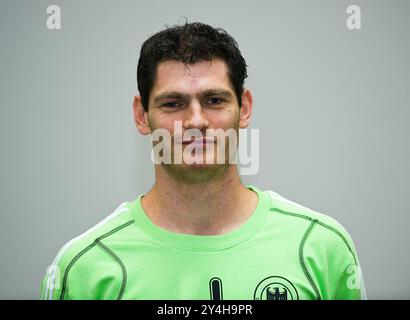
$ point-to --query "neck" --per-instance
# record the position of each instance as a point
(206, 208)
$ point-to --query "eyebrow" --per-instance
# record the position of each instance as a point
(186, 97)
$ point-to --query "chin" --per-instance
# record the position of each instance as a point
(196, 172)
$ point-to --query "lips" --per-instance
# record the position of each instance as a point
(198, 141)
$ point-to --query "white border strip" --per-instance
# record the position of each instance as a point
(275, 195)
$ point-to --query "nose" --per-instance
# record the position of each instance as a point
(195, 117)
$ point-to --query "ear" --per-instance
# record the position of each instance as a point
(246, 109)
(141, 116)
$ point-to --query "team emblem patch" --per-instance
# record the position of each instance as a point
(275, 288)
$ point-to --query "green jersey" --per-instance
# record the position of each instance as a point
(284, 251)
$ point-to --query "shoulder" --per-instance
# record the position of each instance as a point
(327, 253)
(72, 253)
(319, 229)
(113, 223)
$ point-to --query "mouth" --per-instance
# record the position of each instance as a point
(198, 141)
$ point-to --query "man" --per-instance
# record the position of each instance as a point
(199, 233)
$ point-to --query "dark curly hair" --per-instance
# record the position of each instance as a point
(189, 43)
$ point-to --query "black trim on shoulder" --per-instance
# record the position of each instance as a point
(319, 223)
(82, 252)
(119, 261)
(292, 214)
(302, 260)
(341, 236)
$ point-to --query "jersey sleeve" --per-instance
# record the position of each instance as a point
(51, 283)
(332, 262)
(60, 274)
(91, 273)
(86, 268)
(348, 279)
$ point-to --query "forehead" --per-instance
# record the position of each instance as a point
(174, 75)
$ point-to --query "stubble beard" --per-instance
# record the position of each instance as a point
(203, 172)
(197, 173)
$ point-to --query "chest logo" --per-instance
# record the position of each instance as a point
(275, 288)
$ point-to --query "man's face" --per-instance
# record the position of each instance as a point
(199, 96)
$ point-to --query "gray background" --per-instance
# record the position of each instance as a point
(332, 107)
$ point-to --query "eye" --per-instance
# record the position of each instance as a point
(172, 104)
(215, 101)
